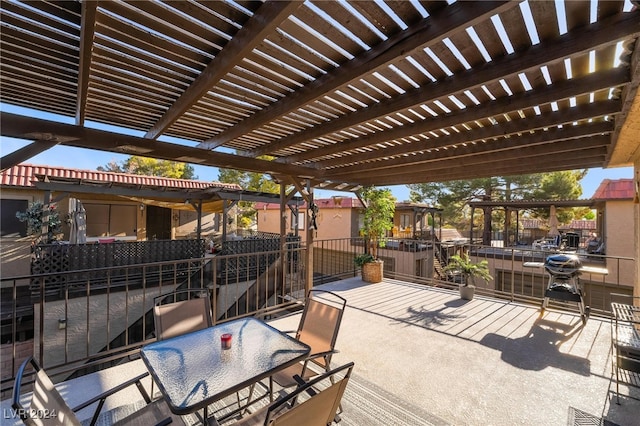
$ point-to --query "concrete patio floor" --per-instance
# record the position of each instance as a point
(482, 362)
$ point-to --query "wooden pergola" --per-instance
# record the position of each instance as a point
(338, 95)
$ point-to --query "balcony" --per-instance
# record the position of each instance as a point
(446, 361)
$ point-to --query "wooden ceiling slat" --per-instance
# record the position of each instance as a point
(41, 73)
(226, 74)
(224, 9)
(253, 86)
(538, 165)
(445, 166)
(550, 119)
(298, 51)
(412, 72)
(546, 19)
(175, 25)
(580, 66)
(132, 38)
(37, 61)
(446, 56)
(430, 65)
(542, 96)
(495, 167)
(328, 30)
(137, 94)
(376, 16)
(307, 38)
(479, 149)
(34, 95)
(18, 40)
(495, 69)
(135, 60)
(251, 97)
(210, 106)
(48, 28)
(516, 30)
(405, 11)
(266, 19)
(462, 41)
(65, 10)
(490, 39)
(338, 12)
(271, 66)
(401, 44)
(87, 33)
(109, 75)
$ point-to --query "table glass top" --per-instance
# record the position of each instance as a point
(193, 370)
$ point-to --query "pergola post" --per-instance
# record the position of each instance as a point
(473, 209)
(308, 283)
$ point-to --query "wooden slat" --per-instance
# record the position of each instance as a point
(267, 18)
(542, 96)
(548, 52)
(405, 42)
(530, 123)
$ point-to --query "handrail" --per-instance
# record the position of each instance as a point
(93, 317)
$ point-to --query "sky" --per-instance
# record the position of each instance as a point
(86, 159)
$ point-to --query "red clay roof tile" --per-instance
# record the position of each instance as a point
(25, 175)
(620, 189)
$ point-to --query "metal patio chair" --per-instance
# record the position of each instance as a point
(318, 328)
(313, 403)
(48, 407)
(181, 312)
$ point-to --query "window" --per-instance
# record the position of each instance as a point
(405, 221)
(111, 220)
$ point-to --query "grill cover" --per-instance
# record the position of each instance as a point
(563, 265)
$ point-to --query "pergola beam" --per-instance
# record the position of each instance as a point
(22, 127)
(539, 164)
(488, 159)
(87, 31)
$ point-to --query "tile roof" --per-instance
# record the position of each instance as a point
(24, 175)
(620, 189)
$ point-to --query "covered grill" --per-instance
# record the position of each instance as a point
(564, 281)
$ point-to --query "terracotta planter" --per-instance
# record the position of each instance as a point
(372, 271)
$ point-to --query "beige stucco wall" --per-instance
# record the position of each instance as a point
(619, 227)
(332, 222)
(185, 223)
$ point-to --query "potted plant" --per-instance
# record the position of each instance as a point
(380, 205)
(468, 271)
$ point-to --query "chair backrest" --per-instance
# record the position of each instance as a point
(319, 409)
(47, 407)
(181, 312)
(320, 322)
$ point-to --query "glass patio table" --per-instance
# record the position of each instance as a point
(193, 370)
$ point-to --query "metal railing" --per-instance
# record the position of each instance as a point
(420, 261)
(83, 328)
(99, 321)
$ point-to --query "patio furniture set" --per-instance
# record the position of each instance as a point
(197, 365)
